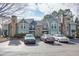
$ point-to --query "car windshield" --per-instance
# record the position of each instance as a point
(47, 35)
(59, 35)
(29, 35)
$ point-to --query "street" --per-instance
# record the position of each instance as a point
(18, 48)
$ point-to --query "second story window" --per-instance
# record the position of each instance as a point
(55, 27)
(33, 27)
(24, 26)
(21, 26)
(52, 26)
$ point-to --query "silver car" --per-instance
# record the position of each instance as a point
(47, 38)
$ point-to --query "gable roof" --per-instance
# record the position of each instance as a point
(39, 22)
(29, 20)
(33, 22)
(7, 22)
(23, 21)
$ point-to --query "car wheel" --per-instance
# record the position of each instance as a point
(45, 41)
(34, 42)
(53, 42)
(66, 42)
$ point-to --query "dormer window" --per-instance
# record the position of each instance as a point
(33, 26)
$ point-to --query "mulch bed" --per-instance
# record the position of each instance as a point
(3, 39)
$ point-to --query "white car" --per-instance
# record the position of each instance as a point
(61, 38)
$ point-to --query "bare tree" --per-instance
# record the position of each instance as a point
(11, 8)
(8, 9)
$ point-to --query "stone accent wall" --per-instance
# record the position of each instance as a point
(13, 25)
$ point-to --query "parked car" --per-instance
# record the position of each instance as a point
(61, 38)
(29, 38)
(47, 38)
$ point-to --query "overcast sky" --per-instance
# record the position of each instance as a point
(38, 11)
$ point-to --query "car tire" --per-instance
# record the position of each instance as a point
(34, 42)
(53, 42)
(45, 41)
(66, 42)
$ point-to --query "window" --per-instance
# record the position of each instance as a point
(32, 26)
(21, 26)
(24, 26)
(73, 30)
(52, 26)
(55, 26)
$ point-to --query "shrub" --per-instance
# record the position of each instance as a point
(70, 37)
(20, 35)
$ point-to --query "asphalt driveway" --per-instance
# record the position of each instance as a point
(18, 48)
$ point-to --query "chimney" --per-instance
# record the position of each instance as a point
(13, 25)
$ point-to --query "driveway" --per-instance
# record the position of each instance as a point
(18, 48)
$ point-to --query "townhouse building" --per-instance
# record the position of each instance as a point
(60, 22)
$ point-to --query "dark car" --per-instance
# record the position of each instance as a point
(29, 39)
(47, 38)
